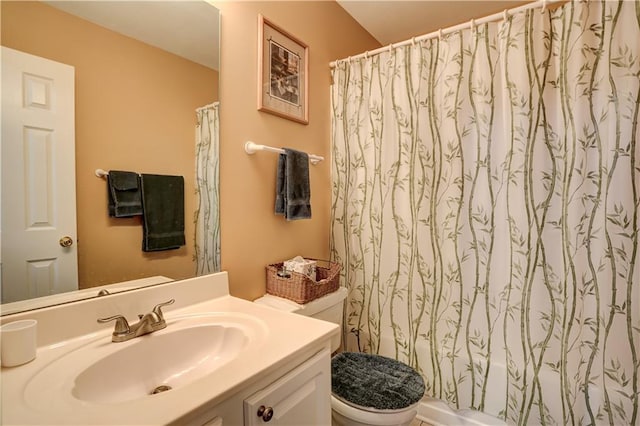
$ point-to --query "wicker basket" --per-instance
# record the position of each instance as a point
(299, 287)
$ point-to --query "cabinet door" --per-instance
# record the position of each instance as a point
(301, 397)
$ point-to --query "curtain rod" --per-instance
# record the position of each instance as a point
(212, 104)
(470, 24)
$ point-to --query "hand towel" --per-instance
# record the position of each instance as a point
(293, 191)
(124, 194)
(163, 212)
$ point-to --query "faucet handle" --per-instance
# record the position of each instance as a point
(158, 308)
(122, 326)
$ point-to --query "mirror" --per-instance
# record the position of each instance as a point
(141, 70)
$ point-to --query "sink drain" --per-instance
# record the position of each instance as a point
(160, 389)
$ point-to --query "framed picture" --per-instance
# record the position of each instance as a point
(283, 69)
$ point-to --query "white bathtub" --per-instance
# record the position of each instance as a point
(437, 413)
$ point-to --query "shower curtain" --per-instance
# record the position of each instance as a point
(207, 214)
(485, 209)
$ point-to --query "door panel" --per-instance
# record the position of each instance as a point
(38, 177)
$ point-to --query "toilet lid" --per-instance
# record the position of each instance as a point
(375, 381)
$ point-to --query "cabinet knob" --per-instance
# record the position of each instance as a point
(265, 412)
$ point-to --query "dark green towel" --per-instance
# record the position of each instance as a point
(124, 194)
(163, 212)
(293, 191)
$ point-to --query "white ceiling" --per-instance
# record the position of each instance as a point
(185, 28)
(392, 21)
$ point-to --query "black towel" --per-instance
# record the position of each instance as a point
(124, 194)
(281, 185)
(163, 212)
(293, 191)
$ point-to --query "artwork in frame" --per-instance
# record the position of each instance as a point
(283, 64)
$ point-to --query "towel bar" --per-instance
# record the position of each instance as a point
(103, 173)
(252, 148)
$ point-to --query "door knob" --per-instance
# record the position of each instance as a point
(66, 242)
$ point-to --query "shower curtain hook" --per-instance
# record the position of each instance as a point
(349, 60)
(439, 33)
(544, 5)
(390, 47)
(366, 54)
(413, 41)
(505, 15)
(473, 25)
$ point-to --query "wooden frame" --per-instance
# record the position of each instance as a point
(283, 73)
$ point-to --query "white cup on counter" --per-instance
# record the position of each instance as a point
(18, 342)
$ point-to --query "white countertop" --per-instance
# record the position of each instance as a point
(282, 337)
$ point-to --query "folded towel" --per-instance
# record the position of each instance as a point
(281, 184)
(124, 194)
(163, 212)
(293, 192)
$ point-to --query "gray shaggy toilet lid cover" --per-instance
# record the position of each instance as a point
(375, 381)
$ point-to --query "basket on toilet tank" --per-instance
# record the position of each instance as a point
(299, 287)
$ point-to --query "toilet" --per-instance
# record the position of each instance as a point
(367, 389)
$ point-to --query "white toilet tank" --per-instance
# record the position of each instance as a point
(327, 308)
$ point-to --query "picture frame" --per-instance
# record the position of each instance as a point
(283, 73)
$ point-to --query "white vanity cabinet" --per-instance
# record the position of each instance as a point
(295, 397)
(300, 397)
(267, 358)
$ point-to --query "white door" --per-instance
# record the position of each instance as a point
(37, 177)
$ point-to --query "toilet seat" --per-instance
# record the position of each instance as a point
(371, 416)
(371, 409)
(375, 381)
(373, 390)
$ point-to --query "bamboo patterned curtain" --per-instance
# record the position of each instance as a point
(207, 214)
(485, 210)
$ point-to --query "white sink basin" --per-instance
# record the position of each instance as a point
(159, 362)
(102, 372)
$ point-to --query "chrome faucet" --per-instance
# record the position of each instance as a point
(153, 321)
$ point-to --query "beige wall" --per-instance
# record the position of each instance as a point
(134, 111)
(252, 236)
